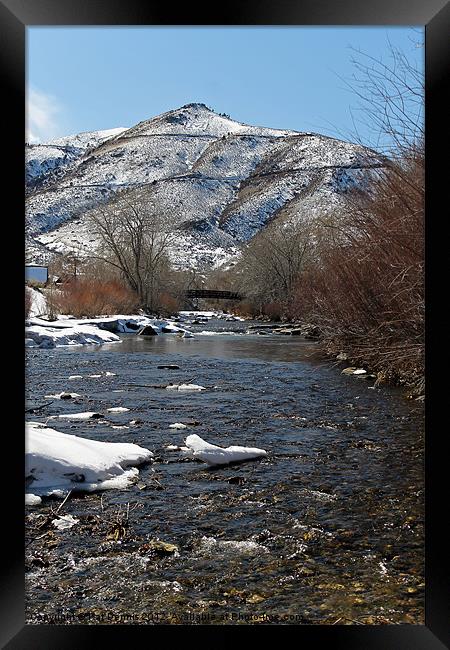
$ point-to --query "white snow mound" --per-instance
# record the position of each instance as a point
(186, 387)
(51, 337)
(86, 415)
(56, 462)
(214, 455)
(38, 303)
(32, 500)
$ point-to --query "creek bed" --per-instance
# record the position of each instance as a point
(328, 528)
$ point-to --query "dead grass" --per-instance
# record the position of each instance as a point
(91, 297)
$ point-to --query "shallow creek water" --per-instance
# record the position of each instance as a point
(327, 529)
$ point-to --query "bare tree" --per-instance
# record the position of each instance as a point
(135, 235)
(389, 101)
(274, 260)
(366, 288)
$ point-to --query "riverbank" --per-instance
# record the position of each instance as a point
(394, 363)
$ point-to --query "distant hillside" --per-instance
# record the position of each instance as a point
(224, 180)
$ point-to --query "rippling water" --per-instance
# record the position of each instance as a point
(328, 528)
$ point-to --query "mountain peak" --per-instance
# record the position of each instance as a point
(197, 105)
(198, 119)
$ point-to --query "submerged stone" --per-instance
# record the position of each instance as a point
(159, 547)
(255, 599)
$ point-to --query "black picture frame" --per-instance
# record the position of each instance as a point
(15, 16)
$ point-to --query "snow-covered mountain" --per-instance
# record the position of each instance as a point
(44, 159)
(223, 179)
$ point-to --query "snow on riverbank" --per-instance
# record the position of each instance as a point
(212, 333)
(38, 303)
(57, 462)
(65, 330)
(37, 336)
(134, 323)
(214, 455)
(70, 331)
(220, 315)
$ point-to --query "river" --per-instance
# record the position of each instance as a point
(327, 529)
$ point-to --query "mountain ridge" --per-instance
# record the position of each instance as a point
(223, 179)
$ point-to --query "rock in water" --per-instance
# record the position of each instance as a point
(159, 547)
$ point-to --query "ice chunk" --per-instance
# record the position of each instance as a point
(63, 395)
(87, 415)
(214, 455)
(32, 500)
(185, 387)
(191, 387)
(63, 522)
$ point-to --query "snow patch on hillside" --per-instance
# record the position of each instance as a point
(47, 157)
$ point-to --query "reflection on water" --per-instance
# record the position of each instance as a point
(329, 527)
(233, 346)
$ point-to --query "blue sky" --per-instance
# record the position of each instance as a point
(86, 79)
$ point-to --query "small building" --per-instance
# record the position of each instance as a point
(36, 273)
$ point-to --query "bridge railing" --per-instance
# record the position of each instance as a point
(213, 293)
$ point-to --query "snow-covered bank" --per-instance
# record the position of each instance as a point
(51, 337)
(205, 316)
(57, 462)
(214, 455)
(134, 323)
(38, 303)
(70, 331)
(212, 333)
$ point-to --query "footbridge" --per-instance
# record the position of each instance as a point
(213, 294)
